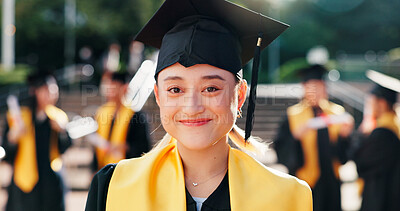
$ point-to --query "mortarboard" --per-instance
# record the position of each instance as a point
(314, 72)
(214, 32)
(386, 87)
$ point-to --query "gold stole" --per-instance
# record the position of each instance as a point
(25, 164)
(156, 182)
(298, 115)
(104, 117)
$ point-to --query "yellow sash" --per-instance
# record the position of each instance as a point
(25, 165)
(156, 182)
(298, 115)
(104, 117)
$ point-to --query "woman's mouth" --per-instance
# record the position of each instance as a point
(194, 122)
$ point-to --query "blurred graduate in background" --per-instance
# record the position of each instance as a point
(313, 139)
(34, 138)
(126, 132)
(377, 152)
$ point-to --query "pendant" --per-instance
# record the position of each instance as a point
(194, 184)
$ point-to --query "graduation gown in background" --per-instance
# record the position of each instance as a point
(48, 192)
(156, 182)
(378, 164)
(330, 153)
(127, 129)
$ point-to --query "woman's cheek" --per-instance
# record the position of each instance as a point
(167, 114)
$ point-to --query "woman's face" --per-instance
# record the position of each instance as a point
(46, 95)
(314, 91)
(114, 90)
(198, 104)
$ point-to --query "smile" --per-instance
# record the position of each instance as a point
(194, 122)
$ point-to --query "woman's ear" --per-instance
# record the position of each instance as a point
(156, 94)
(124, 89)
(242, 92)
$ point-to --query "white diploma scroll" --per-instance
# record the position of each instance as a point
(325, 121)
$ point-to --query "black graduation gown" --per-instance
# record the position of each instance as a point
(218, 201)
(326, 192)
(378, 164)
(138, 138)
(48, 194)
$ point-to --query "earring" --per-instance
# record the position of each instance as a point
(239, 115)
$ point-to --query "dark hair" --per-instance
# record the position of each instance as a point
(386, 94)
(120, 77)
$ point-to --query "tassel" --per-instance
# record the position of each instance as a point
(253, 95)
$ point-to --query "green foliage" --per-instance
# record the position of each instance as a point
(17, 75)
(352, 27)
(39, 32)
(342, 26)
(40, 24)
(288, 71)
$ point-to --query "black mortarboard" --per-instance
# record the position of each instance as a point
(120, 77)
(214, 32)
(386, 87)
(40, 78)
(314, 72)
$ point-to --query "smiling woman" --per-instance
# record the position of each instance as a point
(200, 91)
(198, 104)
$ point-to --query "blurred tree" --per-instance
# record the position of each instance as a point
(342, 26)
(102, 22)
(365, 25)
(40, 32)
(40, 27)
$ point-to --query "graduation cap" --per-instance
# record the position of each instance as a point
(386, 87)
(214, 32)
(314, 72)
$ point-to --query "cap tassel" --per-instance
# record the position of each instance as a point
(253, 95)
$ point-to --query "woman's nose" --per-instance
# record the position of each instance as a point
(192, 104)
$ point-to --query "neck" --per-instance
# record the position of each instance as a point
(40, 114)
(118, 103)
(384, 111)
(199, 165)
(40, 108)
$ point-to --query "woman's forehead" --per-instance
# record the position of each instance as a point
(198, 71)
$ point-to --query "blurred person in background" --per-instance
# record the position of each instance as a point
(314, 152)
(34, 138)
(377, 153)
(126, 131)
(110, 63)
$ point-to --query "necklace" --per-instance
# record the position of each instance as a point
(195, 184)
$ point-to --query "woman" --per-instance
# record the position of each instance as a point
(200, 92)
(33, 140)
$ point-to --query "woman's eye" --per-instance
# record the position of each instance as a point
(174, 90)
(211, 89)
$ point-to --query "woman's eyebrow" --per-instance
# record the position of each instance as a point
(213, 77)
(172, 78)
